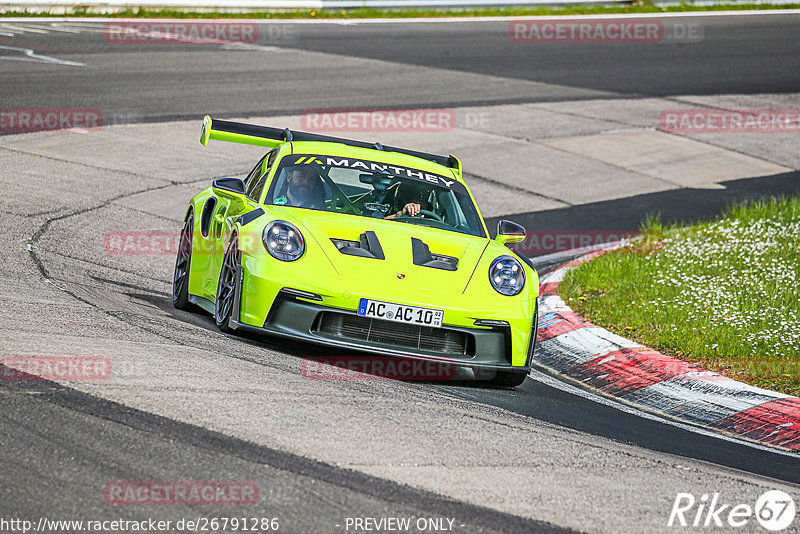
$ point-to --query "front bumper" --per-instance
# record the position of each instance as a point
(265, 307)
(298, 319)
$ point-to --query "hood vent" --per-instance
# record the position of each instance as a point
(367, 246)
(423, 257)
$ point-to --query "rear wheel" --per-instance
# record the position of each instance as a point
(180, 280)
(226, 289)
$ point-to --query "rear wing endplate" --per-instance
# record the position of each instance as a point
(250, 134)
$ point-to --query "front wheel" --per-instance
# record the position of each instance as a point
(226, 288)
(180, 280)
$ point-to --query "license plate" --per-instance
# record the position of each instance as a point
(400, 313)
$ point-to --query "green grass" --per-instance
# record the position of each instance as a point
(635, 7)
(722, 294)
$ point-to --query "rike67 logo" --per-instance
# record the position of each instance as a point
(774, 510)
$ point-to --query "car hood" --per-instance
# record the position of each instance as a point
(398, 273)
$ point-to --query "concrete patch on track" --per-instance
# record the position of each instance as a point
(536, 164)
(777, 148)
(595, 358)
(593, 150)
(157, 151)
(669, 158)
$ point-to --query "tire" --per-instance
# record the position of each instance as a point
(183, 263)
(534, 334)
(509, 379)
(226, 288)
(513, 379)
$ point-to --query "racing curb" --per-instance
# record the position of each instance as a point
(571, 346)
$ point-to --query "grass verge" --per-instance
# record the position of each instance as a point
(721, 294)
(368, 13)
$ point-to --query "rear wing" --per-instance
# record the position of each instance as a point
(250, 134)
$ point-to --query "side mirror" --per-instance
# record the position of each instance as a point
(509, 232)
(228, 185)
(231, 189)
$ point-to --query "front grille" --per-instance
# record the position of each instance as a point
(404, 336)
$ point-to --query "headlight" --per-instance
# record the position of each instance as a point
(283, 241)
(507, 275)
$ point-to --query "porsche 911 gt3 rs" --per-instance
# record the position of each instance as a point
(361, 246)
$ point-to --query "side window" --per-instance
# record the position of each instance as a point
(255, 173)
(258, 184)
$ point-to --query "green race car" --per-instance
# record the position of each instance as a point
(360, 246)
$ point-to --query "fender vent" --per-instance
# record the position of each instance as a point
(208, 211)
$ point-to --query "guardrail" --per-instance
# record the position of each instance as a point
(251, 5)
(68, 7)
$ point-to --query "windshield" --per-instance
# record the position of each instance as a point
(378, 190)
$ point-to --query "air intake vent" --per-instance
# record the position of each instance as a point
(403, 336)
(367, 246)
(423, 257)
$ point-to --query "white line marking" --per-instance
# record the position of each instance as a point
(87, 27)
(56, 28)
(569, 388)
(248, 47)
(22, 29)
(30, 55)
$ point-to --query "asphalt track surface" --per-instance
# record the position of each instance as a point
(156, 82)
(85, 441)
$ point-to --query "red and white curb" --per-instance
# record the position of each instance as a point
(573, 347)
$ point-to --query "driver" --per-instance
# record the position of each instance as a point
(305, 188)
(413, 198)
